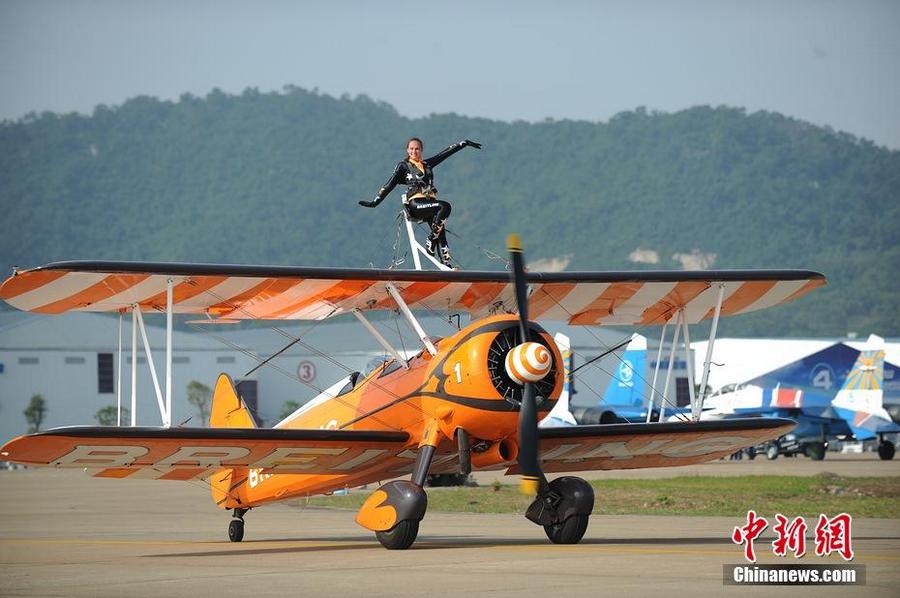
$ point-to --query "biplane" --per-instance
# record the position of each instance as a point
(467, 401)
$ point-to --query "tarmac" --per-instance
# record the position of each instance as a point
(63, 533)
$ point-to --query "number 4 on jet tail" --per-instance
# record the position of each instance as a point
(467, 401)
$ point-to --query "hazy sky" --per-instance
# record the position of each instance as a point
(828, 62)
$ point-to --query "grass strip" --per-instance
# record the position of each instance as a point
(872, 497)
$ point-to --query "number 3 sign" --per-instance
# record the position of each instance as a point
(306, 371)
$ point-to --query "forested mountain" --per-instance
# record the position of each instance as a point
(275, 178)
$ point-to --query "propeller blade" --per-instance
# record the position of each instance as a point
(532, 476)
(514, 245)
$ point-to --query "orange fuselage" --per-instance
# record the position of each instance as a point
(458, 387)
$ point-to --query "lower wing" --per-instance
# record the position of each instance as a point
(188, 453)
(635, 446)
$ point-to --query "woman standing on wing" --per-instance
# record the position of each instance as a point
(421, 192)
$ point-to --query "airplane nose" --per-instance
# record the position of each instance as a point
(528, 362)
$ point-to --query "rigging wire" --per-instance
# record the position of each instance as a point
(299, 340)
(640, 376)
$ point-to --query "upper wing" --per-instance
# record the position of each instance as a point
(634, 446)
(296, 293)
(187, 453)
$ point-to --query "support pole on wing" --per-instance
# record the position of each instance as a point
(411, 318)
(134, 309)
(688, 362)
(414, 246)
(169, 353)
(675, 335)
(707, 362)
(119, 376)
(384, 343)
(662, 340)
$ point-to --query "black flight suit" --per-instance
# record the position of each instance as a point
(422, 194)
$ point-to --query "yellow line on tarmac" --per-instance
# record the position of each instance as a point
(223, 544)
(618, 549)
(96, 542)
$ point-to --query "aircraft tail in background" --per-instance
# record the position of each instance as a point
(628, 387)
(561, 415)
(810, 382)
(860, 401)
(625, 399)
(837, 392)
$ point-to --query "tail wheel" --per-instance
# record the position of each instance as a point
(236, 530)
(399, 537)
(815, 451)
(886, 450)
(570, 531)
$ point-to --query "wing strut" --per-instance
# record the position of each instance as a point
(119, 376)
(707, 362)
(662, 340)
(163, 401)
(688, 361)
(384, 343)
(411, 318)
(675, 333)
(168, 419)
(133, 366)
(149, 354)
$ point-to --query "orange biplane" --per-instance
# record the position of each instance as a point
(467, 401)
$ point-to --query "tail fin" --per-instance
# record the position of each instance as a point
(820, 374)
(863, 388)
(627, 388)
(228, 411)
(861, 399)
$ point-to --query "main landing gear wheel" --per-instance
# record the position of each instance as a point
(570, 531)
(886, 450)
(236, 530)
(236, 527)
(815, 451)
(401, 536)
(772, 452)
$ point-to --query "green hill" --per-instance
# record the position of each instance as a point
(275, 177)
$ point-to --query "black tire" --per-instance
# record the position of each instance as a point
(570, 531)
(886, 450)
(772, 452)
(399, 537)
(815, 450)
(751, 453)
(236, 530)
